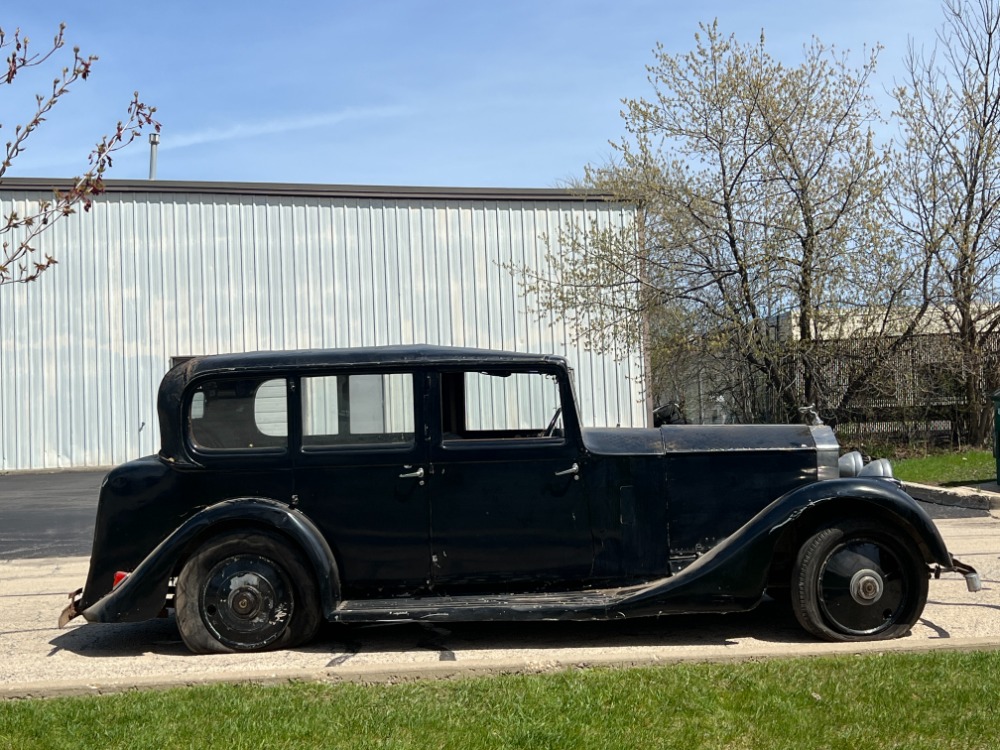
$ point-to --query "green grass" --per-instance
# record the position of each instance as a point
(936, 700)
(948, 469)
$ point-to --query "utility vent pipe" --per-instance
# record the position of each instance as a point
(154, 141)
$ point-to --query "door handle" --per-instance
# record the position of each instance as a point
(418, 474)
(574, 469)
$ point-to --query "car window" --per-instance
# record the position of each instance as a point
(239, 414)
(346, 410)
(500, 405)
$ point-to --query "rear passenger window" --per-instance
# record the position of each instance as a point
(348, 410)
(239, 414)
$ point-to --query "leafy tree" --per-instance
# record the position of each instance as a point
(948, 189)
(760, 226)
(19, 261)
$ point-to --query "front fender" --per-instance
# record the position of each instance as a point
(884, 495)
(734, 573)
(142, 595)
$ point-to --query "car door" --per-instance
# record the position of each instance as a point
(360, 477)
(509, 510)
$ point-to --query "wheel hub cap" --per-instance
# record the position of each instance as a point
(866, 587)
(245, 602)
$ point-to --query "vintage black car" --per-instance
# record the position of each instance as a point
(433, 483)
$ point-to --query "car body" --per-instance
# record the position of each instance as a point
(439, 483)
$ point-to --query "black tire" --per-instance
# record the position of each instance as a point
(246, 591)
(859, 581)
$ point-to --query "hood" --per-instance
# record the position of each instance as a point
(709, 439)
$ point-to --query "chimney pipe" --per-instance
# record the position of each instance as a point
(154, 141)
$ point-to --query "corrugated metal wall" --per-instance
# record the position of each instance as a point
(149, 275)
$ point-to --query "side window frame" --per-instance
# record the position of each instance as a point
(347, 449)
(445, 447)
(258, 455)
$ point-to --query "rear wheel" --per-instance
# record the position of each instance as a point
(246, 591)
(859, 581)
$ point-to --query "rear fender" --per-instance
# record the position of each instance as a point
(143, 593)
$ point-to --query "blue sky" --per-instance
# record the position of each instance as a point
(513, 93)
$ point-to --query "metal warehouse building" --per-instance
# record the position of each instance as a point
(160, 270)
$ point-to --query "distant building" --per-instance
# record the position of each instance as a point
(916, 395)
(157, 271)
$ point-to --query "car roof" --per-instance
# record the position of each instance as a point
(176, 381)
(359, 356)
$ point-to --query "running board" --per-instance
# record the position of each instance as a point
(564, 605)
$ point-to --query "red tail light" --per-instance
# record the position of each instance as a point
(120, 576)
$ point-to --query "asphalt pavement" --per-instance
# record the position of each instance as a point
(48, 514)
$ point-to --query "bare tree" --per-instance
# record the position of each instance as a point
(19, 231)
(760, 222)
(948, 187)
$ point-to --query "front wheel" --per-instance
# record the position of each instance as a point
(246, 591)
(859, 581)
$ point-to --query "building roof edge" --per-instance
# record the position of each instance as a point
(33, 184)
